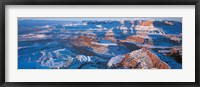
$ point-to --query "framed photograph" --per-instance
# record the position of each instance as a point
(100, 43)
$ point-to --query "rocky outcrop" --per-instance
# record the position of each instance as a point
(136, 42)
(84, 43)
(168, 23)
(145, 23)
(176, 53)
(176, 38)
(121, 21)
(115, 61)
(83, 58)
(110, 36)
(84, 40)
(139, 59)
(136, 39)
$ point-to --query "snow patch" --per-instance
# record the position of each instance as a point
(115, 60)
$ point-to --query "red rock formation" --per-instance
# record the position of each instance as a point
(110, 36)
(143, 59)
(157, 63)
(87, 41)
(146, 23)
(136, 39)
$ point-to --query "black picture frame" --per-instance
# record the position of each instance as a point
(98, 2)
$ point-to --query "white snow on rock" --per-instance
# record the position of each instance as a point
(115, 60)
(83, 58)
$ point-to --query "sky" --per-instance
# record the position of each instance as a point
(100, 18)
